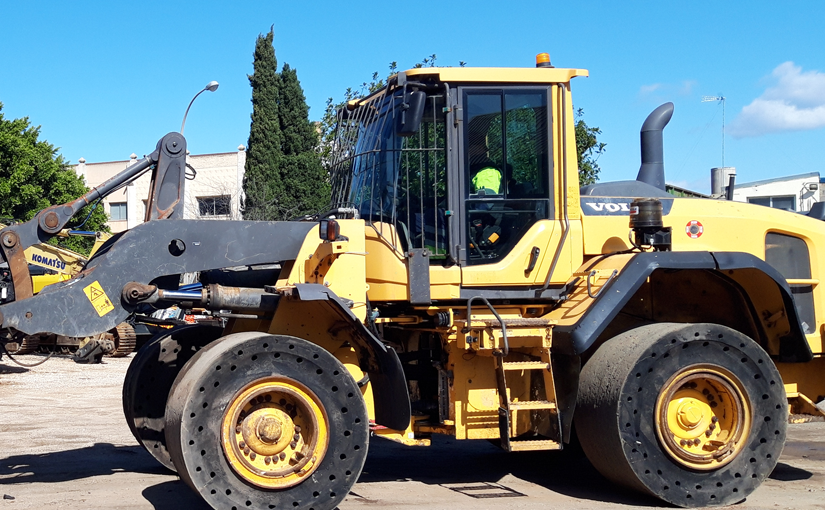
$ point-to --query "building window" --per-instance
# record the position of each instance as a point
(214, 206)
(786, 203)
(117, 211)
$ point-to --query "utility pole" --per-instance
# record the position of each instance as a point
(721, 98)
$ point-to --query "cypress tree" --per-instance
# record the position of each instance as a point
(262, 179)
(305, 183)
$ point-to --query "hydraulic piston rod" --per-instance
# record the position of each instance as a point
(211, 297)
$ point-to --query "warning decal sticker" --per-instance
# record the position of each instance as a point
(694, 229)
(98, 298)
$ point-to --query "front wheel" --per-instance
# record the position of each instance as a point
(263, 421)
(694, 414)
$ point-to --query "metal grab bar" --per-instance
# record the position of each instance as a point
(466, 329)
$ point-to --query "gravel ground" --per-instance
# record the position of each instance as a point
(65, 445)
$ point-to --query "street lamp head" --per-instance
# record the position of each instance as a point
(212, 86)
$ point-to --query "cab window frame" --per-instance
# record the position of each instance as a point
(545, 173)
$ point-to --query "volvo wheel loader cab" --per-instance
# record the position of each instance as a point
(462, 284)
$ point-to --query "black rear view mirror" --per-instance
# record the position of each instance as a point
(412, 111)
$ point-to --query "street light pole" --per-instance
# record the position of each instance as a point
(212, 86)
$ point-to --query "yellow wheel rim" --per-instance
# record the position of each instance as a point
(275, 433)
(703, 417)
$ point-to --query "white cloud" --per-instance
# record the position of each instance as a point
(665, 91)
(687, 87)
(645, 90)
(795, 102)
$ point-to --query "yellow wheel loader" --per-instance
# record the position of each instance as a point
(461, 283)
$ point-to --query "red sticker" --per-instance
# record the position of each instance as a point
(694, 229)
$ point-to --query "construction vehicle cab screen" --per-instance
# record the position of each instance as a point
(502, 177)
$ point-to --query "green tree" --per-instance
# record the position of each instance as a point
(262, 184)
(588, 150)
(305, 183)
(34, 176)
(284, 177)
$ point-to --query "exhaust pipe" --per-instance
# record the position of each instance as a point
(652, 170)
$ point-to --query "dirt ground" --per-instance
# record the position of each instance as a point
(65, 445)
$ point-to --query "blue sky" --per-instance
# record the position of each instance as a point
(106, 79)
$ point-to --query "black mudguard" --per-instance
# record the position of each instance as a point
(578, 338)
(389, 387)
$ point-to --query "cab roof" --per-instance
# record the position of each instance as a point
(536, 75)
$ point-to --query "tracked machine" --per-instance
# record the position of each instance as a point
(462, 283)
(50, 264)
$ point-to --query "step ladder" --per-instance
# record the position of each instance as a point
(507, 406)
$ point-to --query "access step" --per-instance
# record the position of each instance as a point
(529, 322)
(535, 445)
(526, 365)
(532, 404)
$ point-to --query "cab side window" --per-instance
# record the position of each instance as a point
(506, 169)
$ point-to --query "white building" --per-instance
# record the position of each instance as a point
(794, 192)
(214, 193)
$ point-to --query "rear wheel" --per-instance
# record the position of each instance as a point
(149, 378)
(694, 414)
(263, 421)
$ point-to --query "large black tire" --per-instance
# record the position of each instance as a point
(149, 378)
(201, 433)
(623, 435)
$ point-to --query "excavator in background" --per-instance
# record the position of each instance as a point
(461, 283)
(51, 264)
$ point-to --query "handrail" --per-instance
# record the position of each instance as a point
(466, 329)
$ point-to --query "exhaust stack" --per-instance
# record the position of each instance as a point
(652, 170)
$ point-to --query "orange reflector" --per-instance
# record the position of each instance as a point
(329, 230)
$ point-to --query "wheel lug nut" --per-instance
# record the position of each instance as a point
(705, 391)
(708, 433)
(297, 429)
(267, 460)
(252, 455)
(268, 398)
(696, 441)
(238, 429)
(713, 404)
(296, 437)
(683, 442)
(282, 401)
(282, 455)
(714, 419)
(241, 445)
(293, 445)
(246, 451)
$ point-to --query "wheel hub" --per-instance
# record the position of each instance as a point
(275, 433)
(702, 417)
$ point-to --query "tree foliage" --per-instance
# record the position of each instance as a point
(284, 177)
(34, 176)
(588, 150)
(588, 147)
(262, 177)
(305, 182)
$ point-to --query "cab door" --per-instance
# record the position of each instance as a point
(506, 169)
